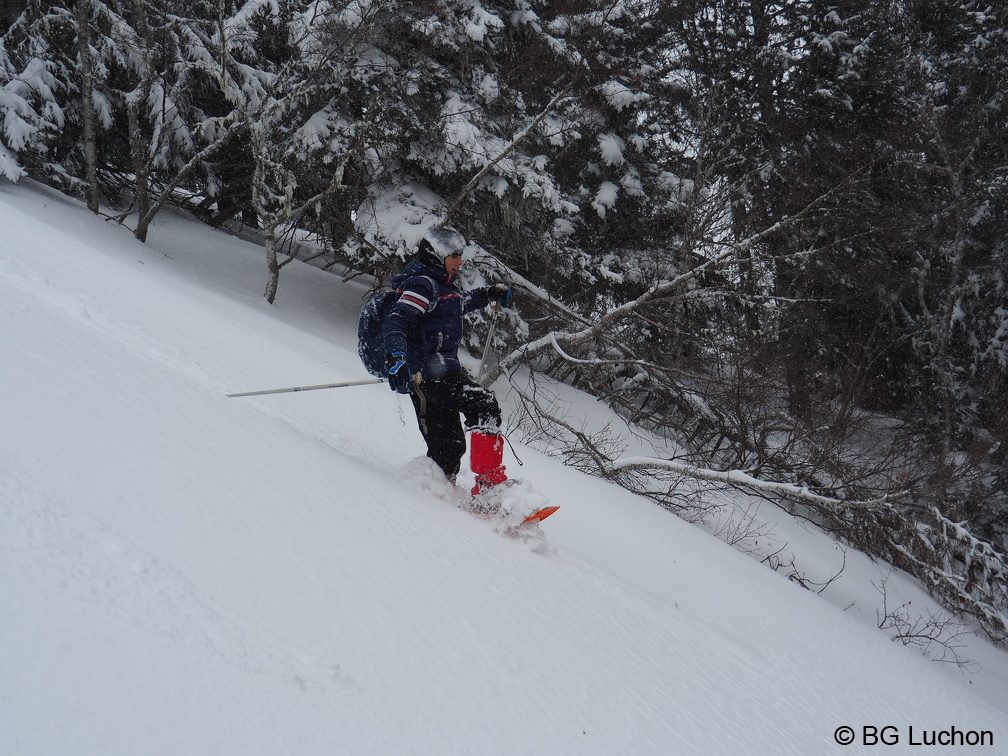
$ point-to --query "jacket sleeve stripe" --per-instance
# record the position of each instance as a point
(414, 300)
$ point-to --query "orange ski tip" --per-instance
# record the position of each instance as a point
(540, 514)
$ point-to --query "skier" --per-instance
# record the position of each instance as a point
(421, 336)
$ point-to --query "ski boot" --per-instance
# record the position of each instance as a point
(486, 456)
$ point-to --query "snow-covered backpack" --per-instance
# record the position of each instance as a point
(370, 345)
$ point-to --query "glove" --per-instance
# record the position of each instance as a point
(500, 293)
(398, 374)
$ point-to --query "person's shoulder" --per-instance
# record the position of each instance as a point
(406, 281)
(415, 271)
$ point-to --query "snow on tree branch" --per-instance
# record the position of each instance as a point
(744, 480)
(518, 139)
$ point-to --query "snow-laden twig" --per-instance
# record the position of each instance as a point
(743, 479)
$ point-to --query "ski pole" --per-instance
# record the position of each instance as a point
(486, 347)
(292, 389)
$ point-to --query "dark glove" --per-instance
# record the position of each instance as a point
(500, 293)
(398, 374)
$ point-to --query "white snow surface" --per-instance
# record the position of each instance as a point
(187, 573)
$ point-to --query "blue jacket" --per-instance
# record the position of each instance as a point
(426, 321)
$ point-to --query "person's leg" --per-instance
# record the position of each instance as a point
(436, 404)
(480, 407)
(486, 444)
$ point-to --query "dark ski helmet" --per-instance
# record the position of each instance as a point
(440, 243)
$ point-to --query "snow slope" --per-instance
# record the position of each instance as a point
(186, 573)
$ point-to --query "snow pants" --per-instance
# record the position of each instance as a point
(438, 403)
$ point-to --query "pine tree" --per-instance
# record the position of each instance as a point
(37, 92)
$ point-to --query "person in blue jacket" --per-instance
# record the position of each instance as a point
(421, 335)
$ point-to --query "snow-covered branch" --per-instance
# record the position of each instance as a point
(744, 480)
(518, 139)
(656, 291)
(182, 174)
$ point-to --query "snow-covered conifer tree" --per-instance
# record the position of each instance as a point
(36, 85)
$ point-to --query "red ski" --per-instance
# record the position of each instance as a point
(539, 515)
(488, 507)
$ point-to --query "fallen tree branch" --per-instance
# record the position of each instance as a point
(744, 480)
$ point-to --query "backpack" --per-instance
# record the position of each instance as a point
(370, 345)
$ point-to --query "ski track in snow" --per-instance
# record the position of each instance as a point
(82, 311)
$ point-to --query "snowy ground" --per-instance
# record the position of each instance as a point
(185, 573)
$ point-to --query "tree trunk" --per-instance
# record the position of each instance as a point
(271, 261)
(141, 171)
(138, 153)
(84, 12)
